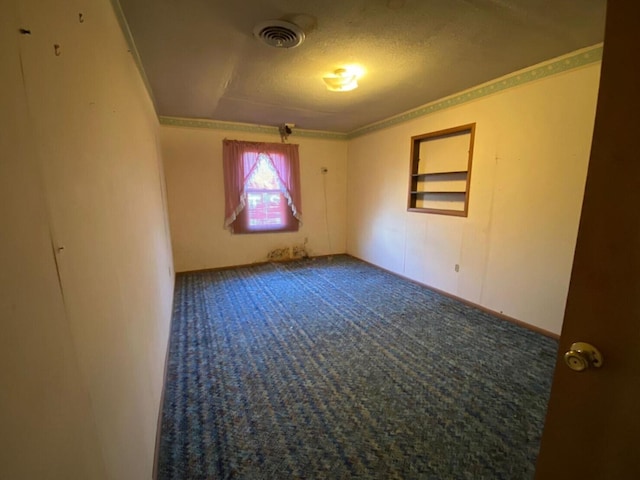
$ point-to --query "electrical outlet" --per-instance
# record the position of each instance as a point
(457, 268)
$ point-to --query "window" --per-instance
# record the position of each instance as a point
(262, 187)
(266, 208)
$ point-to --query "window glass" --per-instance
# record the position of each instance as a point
(266, 208)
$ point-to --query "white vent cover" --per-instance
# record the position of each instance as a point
(279, 34)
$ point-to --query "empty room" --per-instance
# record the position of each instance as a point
(387, 239)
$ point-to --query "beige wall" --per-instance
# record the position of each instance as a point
(193, 166)
(515, 249)
(81, 361)
(82, 354)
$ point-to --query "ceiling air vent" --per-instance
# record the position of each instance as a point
(279, 34)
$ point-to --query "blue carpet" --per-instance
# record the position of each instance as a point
(335, 369)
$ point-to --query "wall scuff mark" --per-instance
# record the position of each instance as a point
(293, 252)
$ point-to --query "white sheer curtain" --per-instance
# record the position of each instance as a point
(240, 160)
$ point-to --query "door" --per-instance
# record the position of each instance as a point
(592, 429)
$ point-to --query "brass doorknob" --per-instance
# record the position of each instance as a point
(581, 356)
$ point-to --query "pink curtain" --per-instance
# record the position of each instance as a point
(241, 158)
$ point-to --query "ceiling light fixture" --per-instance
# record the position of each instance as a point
(341, 80)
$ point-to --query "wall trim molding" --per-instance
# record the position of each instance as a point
(246, 127)
(499, 315)
(133, 50)
(571, 61)
(165, 373)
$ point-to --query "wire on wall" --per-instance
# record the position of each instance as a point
(324, 172)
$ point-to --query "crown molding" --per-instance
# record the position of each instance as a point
(571, 61)
(246, 127)
(126, 32)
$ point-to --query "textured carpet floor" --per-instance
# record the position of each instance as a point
(324, 369)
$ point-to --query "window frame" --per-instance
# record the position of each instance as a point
(241, 159)
(242, 226)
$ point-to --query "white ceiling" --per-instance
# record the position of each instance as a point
(202, 60)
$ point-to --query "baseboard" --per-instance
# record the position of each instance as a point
(500, 315)
(437, 290)
(254, 264)
(156, 452)
(168, 349)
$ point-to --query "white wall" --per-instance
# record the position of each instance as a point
(195, 189)
(81, 360)
(515, 249)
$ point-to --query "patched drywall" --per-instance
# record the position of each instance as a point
(193, 166)
(514, 251)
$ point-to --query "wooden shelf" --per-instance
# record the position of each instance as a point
(422, 192)
(439, 211)
(440, 171)
(429, 174)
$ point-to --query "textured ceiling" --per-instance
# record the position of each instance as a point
(202, 61)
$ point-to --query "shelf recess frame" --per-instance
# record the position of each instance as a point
(415, 193)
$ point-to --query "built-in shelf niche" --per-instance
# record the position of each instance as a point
(440, 174)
